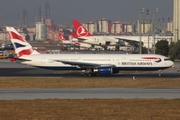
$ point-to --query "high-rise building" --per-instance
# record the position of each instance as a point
(116, 27)
(23, 18)
(42, 12)
(145, 26)
(176, 20)
(91, 27)
(45, 11)
(170, 26)
(103, 25)
(37, 14)
(129, 27)
(41, 31)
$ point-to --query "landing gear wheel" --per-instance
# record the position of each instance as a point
(85, 74)
(89, 74)
(160, 73)
(94, 74)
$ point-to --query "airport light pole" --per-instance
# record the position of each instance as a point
(148, 28)
(154, 30)
(163, 24)
(177, 30)
(140, 30)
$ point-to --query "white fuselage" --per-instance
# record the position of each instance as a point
(120, 61)
(75, 42)
(114, 40)
(99, 40)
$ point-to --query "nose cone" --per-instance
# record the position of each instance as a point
(171, 64)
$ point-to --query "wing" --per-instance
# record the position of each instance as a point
(105, 38)
(81, 39)
(131, 42)
(84, 64)
(110, 39)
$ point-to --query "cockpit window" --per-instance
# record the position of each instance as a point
(166, 59)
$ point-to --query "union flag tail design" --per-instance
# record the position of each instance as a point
(21, 46)
(80, 30)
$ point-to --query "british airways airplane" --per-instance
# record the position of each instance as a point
(92, 64)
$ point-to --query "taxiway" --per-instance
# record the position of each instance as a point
(88, 93)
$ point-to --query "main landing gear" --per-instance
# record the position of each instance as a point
(89, 73)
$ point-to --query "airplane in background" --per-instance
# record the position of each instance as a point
(91, 64)
(6, 46)
(76, 43)
(65, 41)
(83, 35)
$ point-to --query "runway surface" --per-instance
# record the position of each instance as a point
(100, 93)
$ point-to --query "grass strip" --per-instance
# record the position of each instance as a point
(91, 82)
(90, 109)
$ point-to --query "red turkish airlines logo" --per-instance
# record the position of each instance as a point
(61, 37)
(81, 32)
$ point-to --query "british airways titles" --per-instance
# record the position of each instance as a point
(137, 63)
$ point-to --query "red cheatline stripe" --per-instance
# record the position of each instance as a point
(150, 58)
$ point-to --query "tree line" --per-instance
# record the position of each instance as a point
(163, 47)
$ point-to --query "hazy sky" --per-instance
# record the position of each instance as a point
(64, 11)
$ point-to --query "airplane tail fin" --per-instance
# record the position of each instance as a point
(80, 30)
(21, 46)
(74, 35)
(61, 37)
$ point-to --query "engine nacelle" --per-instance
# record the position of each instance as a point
(104, 70)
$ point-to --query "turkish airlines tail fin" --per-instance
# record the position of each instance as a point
(80, 30)
(21, 46)
(74, 35)
(61, 37)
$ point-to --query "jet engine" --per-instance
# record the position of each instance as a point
(105, 70)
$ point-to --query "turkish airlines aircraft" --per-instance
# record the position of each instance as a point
(92, 64)
(64, 41)
(83, 35)
(76, 43)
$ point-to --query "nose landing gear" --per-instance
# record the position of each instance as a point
(160, 73)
